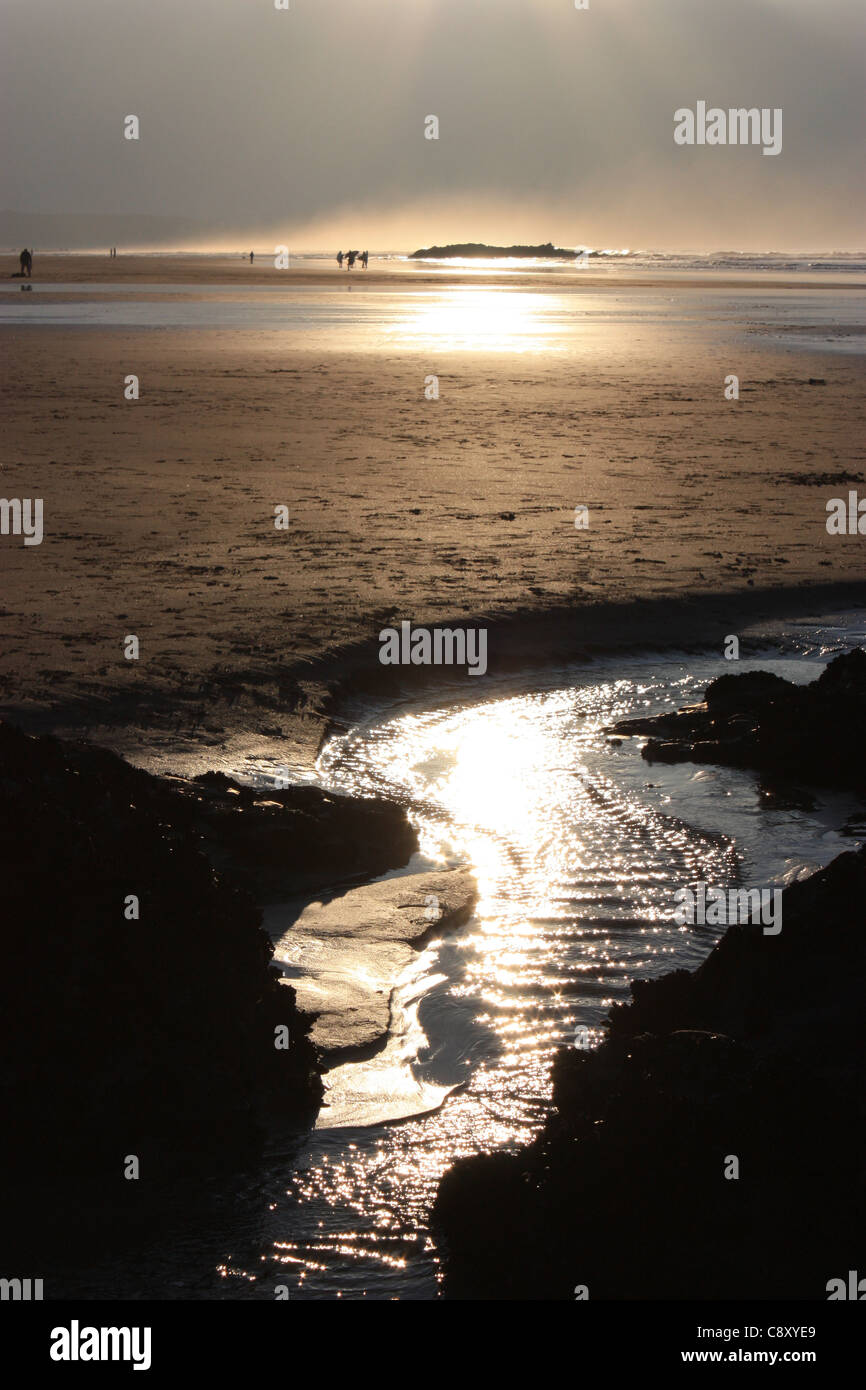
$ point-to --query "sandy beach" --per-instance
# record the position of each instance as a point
(159, 513)
(434, 817)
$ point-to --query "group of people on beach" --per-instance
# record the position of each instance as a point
(351, 257)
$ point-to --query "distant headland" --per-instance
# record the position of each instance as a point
(478, 248)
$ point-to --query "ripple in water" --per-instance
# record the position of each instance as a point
(577, 855)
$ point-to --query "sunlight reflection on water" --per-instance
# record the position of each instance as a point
(576, 875)
(577, 853)
(476, 320)
(578, 844)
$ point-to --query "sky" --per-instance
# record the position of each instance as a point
(306, 126)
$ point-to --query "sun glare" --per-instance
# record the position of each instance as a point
(499, 320)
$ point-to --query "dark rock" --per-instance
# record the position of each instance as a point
(153, 1037)
(760, 1055)
(298, 838)
(478, 248)
(802, 735)
(750, 691)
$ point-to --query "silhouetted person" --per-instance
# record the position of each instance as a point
(26, 261)
(352, 255)
(365, 256)
(252, 253)
(340, 259)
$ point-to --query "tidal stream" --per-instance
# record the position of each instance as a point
(578, 846)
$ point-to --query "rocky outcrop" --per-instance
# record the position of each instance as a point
(139, 1014)
(789, 733)
(296, 839)
(478, 248)
(349, 952)
(753, 1064)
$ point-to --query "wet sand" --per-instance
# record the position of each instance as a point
(159, 513)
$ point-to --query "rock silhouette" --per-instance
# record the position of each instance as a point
(791, 733)
(758, 1054)
(151, 1035)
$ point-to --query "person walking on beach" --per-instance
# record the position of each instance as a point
(252, 254)
(351, 259)
(26, 262)
(340, 259)
(365, 256)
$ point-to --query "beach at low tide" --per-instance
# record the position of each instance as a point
(431, 432)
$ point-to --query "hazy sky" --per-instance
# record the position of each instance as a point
(307, 126)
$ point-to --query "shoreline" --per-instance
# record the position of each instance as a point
(201, 270)
(529, 641)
